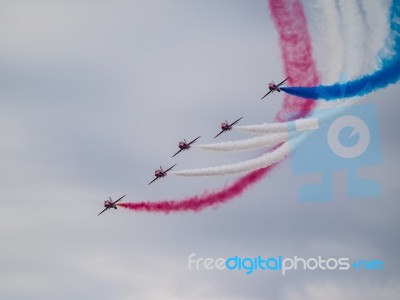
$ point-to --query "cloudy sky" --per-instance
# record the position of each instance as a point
(94, 95)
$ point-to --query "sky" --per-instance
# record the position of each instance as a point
(96, 95)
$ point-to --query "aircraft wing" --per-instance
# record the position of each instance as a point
(153, 180)
(279, 84)
(177, 152)
(119, 199)
(170, 168)
(102, 211)
(222, 131)
(236, 121)
(194, 140)
(267, 94)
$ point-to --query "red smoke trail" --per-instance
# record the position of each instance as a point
(295, 42)
(296, 50)
(199, 202)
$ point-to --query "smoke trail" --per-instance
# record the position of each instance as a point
(248, 144)
(353, 32)
(326, 15)
(378, 80)
(327, 18)
(287, 12)
(389, 73)
(296, 49)
(264, 161)
(199, 202)
(376, 17)
(294, 127)
(271, 128)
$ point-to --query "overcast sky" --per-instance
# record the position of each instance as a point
(95, 95)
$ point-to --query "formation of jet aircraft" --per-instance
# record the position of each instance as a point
(183, 145)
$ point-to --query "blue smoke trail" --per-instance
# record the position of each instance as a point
(389, 73)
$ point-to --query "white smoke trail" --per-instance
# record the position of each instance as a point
(376, 17)
(326, 16)
(354, 34)
(248, 144)
(298, 125)
(263, 161)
